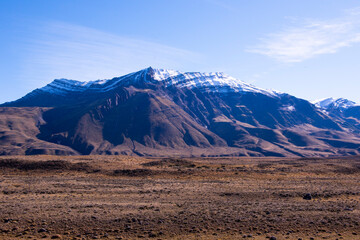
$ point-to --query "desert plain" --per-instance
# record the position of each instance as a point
(126, 197)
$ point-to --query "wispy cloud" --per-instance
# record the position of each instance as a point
(63, 50)
(311, 38)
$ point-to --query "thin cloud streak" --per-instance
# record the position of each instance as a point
(313, 38)
(70, 51)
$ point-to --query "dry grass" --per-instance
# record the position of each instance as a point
(118, 197)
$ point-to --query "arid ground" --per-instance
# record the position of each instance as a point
(119, 197)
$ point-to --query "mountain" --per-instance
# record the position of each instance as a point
(65, 91)
(331, 104)
(345, 111)
(157, 112)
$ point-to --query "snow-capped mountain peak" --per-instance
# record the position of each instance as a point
(331, 103)
(214, 82)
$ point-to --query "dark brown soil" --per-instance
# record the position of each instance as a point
(108, 197)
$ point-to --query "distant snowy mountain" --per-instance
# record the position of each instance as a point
(334, 104)
(344, 110)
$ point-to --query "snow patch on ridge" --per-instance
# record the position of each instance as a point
(67, 85)
(288, 108)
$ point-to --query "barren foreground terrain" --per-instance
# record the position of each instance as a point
(119, 197)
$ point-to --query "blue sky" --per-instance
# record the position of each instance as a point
(308, 48)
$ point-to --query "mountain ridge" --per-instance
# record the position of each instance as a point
(216, 81)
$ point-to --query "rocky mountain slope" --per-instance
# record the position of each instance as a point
(163, 112)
